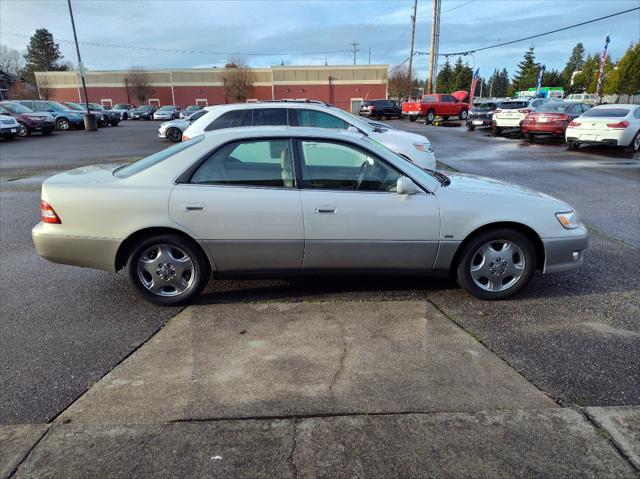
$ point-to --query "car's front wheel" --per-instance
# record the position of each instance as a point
(168, 269)
(496, 264)
(463, 114)
(23, 131)
(62, 124)
(431, 115)
(496, 130)
(413, 118)
(174, 135)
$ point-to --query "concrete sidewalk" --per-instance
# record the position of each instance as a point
(344, 389)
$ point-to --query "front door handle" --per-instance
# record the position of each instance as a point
(326, 209)
(193, 206)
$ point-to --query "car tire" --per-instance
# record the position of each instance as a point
(508, 270)
(529, 137)
(463, 114)
(573, 145)
(174, 135)
(62, 124)
(125, 116)
(23, 131)
(413, 118)
(496, 130)
(470, 127)
(635, 143)
(431, 115)
(177, 279)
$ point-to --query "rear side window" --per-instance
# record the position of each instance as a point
(141, 165)
(448, 99)
(318, 119)
(607, 112)
(270, 117)
(231, 119)
(430, 99)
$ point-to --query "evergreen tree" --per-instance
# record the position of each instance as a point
(445, 77)
(498, 85)
(587, 79)
(552, 78)
(575, 63)
(462, 75)
(527, 72)
(625, 78)
(43, 54)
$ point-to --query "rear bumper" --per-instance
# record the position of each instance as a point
(411, 113)
(542, 129)
(97, 253)
(600, 137)
(564, 254)
(507, 122)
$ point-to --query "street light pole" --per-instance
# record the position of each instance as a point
(89, 118)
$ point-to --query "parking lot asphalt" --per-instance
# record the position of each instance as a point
(574, 335)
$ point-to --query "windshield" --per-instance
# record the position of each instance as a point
(354, 120)
(120, 107)
(485, 106)
(137, 166)
(95, 106)
(165, 108)
(514, 105)
(607, 112)
(57, 106)
(16, 108)
(193, 107)
(553, 108)
(145, 107)
(74, 106)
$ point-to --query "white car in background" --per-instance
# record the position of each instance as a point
(615, 125)
(511, 113)
(9, 127)
(413, 147)
(588, 98)
(172, 130)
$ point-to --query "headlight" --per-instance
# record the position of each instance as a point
(48, 118)
(568, 220)
(423, 146)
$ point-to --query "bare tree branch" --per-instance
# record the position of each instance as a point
(139, 81)
(238, 80)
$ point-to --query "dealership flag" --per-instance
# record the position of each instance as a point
(601, 72)
(539, 82)
(474, 81)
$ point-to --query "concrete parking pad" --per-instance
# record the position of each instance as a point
(623, 424)
(15, 444)
(536, 443)
(280, 360)
(547, 443)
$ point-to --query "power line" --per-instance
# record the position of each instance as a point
(467, 52)
(172, 50)
(459, 6)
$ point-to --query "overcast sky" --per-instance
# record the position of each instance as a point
(312, 32)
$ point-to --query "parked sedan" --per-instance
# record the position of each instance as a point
(551, 119)
(9, 127)
(167, 112)
(29, 120)
(615, 125)
(65, 117)
(143, 112)
(172, 130)
(123, 109)
(299, 200)
(190, 110)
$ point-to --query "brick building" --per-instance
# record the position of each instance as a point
(342, 86)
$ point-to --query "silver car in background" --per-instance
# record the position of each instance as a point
(299, 200)
(172, 130)
(167, 112)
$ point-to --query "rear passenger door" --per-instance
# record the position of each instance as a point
(315, 118)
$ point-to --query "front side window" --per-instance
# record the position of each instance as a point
(336, 166)
(264, 163)
(270, 117)
(318, 119)
(42, 106)
(231, 119)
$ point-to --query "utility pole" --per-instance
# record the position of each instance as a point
(355, 49)
(89, 118)
(413, 34)
(433, 50)
(369, 55)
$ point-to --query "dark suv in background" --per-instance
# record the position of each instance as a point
(481, 114)
(380, 108)
(29, 120)
(65, 118)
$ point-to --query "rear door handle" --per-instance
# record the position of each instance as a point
(326, 209)
(193, 206)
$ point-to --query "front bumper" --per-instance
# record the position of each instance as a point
(97, 253)
(9, 129)
(162, 117)
(564, 254)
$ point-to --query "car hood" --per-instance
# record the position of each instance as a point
(400, 134)
(460, 95)
(490, 186)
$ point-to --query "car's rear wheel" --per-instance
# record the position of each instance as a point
(174, 135)
(413, 118)
(496, 130)
(445, 117)
(463, 114)
(62, 124)
(168, 269)
(635, 144)
(470, 127)
(573, 145)
(529, 137)
(496, 264)
(431, 115)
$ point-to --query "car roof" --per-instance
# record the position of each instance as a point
(617, 105)
(275, 104)
(226, 134)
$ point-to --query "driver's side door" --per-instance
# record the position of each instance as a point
(353, 217)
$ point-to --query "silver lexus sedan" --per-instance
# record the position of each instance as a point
(299, 200)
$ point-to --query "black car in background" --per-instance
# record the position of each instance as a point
(112, 117)
(380, 108)
(481, 114)
(143, 112)
(101, 119)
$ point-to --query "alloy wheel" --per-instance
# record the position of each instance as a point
(62, 124)
(166, 270)
(497, 265)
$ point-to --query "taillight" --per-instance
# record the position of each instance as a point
(524, 110)
(48, 214)
(575, 123)
(621, 125)
(498, 111)
(185, 137)
(371, 108)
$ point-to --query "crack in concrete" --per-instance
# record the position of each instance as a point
(294, 443)
(13, 472)
(340, 370)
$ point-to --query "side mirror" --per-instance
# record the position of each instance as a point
(352, 128)
(406, 186)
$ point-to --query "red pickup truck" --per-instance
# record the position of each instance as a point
(437, 104)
